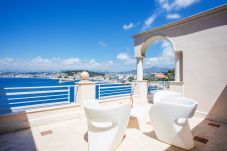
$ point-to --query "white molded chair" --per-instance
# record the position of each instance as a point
(106, 125)
(164, 94)
(169, 120)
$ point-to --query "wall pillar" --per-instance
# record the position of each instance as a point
(86, 90)
(140, 91)
(139, 68)
(140, 86)
(178, 66)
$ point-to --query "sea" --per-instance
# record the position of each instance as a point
(22, 93)
(32, 82)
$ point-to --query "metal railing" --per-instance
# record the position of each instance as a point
(20, 98)
(104, 91)
(157, 85)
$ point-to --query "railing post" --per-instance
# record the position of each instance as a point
(99, 91)
(132, 91)
(86, 89)
(75, 92)
(141, 89)
(69, 94)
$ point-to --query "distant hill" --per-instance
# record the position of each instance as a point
(91, 73)
(156, 69)
(149, 70)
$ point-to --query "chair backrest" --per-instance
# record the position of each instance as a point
(169, 120)
(111, 113)
(163, 95)
(185, 106)
(106, 125)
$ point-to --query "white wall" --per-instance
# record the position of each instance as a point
(205, 65)
(203, 41)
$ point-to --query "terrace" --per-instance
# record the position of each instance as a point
(72, 135)
(64, 127)
(60, 123)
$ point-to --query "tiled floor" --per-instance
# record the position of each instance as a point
(70, 135)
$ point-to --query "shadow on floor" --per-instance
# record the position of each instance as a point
(218, 111)
(9, 139)
(216, 136)
(17, 141)
(4, 102)
(86, 136)
(151, 134)
(11, 136)
(150, 97)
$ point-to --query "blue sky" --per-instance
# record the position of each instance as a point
(47, 35)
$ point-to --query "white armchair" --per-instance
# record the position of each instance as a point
(169, 120)
(164, 94)
(106, 125)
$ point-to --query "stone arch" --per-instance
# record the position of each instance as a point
(150, 40)
(143, 48)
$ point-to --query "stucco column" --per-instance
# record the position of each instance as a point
(139, 68)
(140, 91)
(86, 90)
(178, 66)
(140, 86)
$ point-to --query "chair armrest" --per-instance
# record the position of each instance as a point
(181, 121)
(102, 125)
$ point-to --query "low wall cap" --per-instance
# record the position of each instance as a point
(84, 75)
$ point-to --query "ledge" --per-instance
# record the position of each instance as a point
(86, 82)
(176, 82)
(140, 81)
(112, 99)
(41, 109)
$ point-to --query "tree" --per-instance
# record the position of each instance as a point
(150, 77)
(131, 78)
(170, 75)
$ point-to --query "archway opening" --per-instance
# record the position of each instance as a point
(159, 60)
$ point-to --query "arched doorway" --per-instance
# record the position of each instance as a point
(177, 56)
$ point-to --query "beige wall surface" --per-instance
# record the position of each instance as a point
(205, 65)
(204, 44)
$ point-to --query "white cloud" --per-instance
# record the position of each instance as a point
(93, 63)
(6, 60)
(70, 61)
(173, 16)
(165, 60)
(40, 61)
(168, 6)
(57, 64)
(125, 58)
(102, 43)
(110, 62)
(184, 3)
(122, 56)
(128, 26)
(149, 21)
(138, 23)
(175, 4)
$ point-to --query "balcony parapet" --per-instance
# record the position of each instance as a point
(176, 82)
(177, 86)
